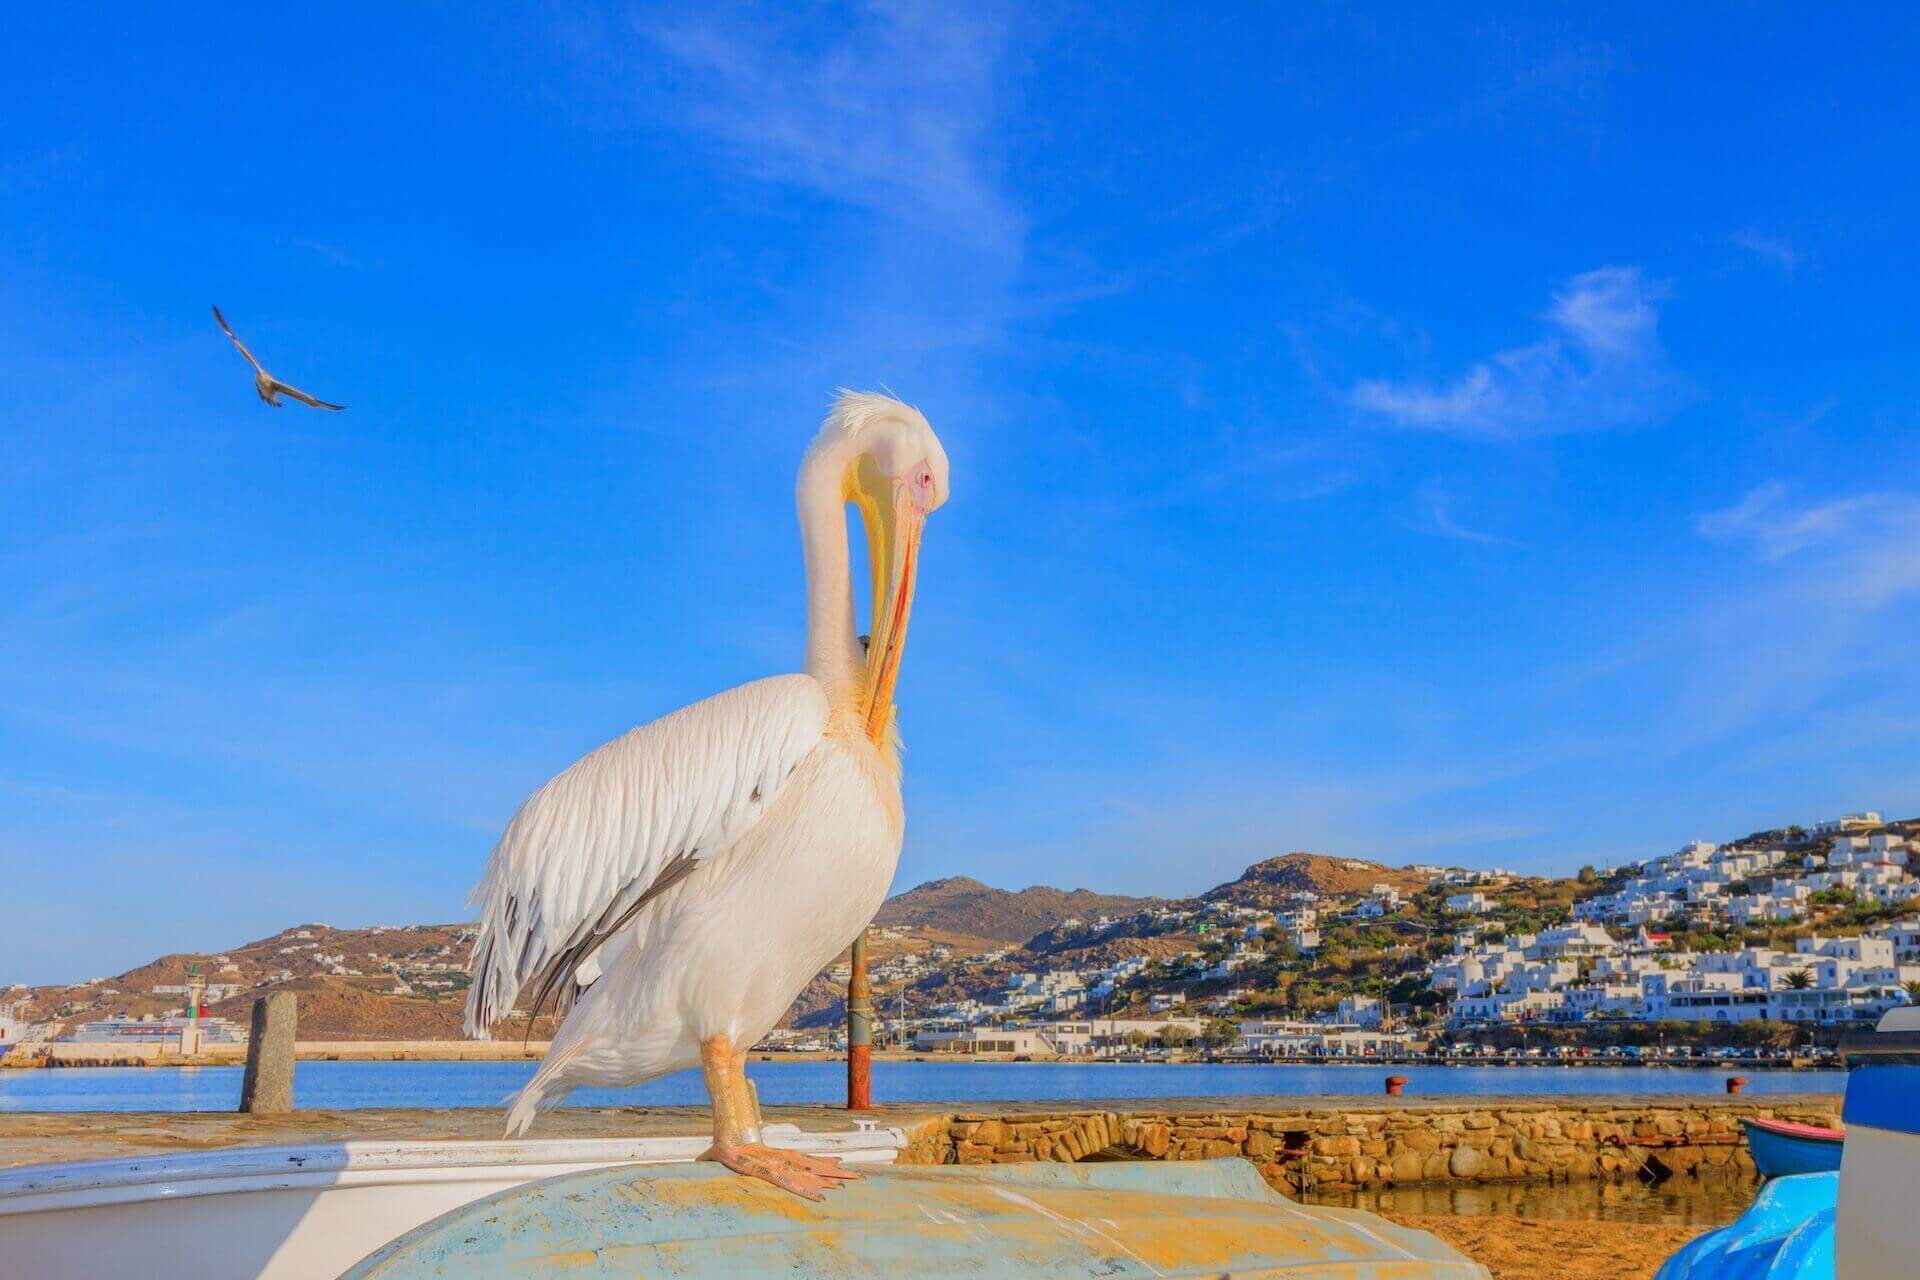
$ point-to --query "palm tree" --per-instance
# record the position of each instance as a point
(1912, 987)
(1799, 979)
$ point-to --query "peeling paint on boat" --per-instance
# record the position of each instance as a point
(1213, 1218)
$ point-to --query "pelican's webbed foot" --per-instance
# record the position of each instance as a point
(810, 1177)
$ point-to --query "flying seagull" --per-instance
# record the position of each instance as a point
(269, 387)
(678, 887)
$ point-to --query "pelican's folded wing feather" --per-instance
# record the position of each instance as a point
(591, 848)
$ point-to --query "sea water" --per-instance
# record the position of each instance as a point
(1678, 1202)
(351, 1085)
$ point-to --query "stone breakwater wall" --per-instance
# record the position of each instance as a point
(1324, 1148)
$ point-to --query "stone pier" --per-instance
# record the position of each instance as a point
(1328, 1145)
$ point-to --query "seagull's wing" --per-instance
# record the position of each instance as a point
(302, 396)
(228, 330)
(591, 848)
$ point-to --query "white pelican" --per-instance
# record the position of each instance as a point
(265, 385)
(679, 886)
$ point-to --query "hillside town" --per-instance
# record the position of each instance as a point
(1775, 940)
(1796, 933)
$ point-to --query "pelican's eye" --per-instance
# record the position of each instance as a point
(920, 486)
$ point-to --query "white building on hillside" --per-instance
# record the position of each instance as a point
(1358, 1011)
(1863, 821)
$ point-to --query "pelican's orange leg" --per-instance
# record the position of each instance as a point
(737, 1142)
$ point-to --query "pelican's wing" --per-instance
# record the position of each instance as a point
(303, 397)
(591, 848)
(228, 330)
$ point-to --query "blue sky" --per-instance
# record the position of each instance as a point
(1483, 439)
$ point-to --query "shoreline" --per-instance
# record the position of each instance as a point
(73, 1057)
(36, 1136)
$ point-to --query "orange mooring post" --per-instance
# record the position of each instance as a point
(1395, 1084)
(1736, 1083)
(859, 1030)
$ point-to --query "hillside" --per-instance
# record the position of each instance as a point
(403, 982)
(822, 1004)
(966, 906)
(409, 982)
(1266, 883)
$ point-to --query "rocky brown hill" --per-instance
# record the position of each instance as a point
(405, 982)
(963, 905)
(1267, 883)
(408, 982)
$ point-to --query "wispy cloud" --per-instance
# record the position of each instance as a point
(1860, 552)
(891, 117)
(1814, 628)
(332, 253)
(1775, 251)
(1602, 367)
(1437, 505)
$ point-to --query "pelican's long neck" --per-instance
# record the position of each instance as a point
(833, 647)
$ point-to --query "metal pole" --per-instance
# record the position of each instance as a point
(859, 1030)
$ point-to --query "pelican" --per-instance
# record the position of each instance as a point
(675, 889)
(265, 385)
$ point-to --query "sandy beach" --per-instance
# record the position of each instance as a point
(1556, 1249)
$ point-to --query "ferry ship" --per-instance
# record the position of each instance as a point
(154, 1029)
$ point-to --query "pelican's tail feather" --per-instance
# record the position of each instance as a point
(526, 1105)
(546, 1089)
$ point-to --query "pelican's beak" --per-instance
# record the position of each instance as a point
(894, 518)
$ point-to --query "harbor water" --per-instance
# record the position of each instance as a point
(353, 1085)
(1680, 1202)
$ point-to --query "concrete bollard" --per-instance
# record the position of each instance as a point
(267, 1088)
(1395, 1084)
(1736, 1083)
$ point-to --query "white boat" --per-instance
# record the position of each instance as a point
(301, 1212)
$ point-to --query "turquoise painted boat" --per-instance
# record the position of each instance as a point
(1781, 1147)
(1213, 1218)
(1786, 1234)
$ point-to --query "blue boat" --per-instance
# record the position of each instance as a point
(1785, 1234)
(1781, 1148)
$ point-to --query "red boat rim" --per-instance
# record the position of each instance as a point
(1788, 1129)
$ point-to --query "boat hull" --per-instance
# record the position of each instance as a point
(299, 1213)
(1119, 1220)
(1780, 1150)
(1785, 1234)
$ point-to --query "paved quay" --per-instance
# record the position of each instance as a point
(939, 1129)
(30, 1137)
